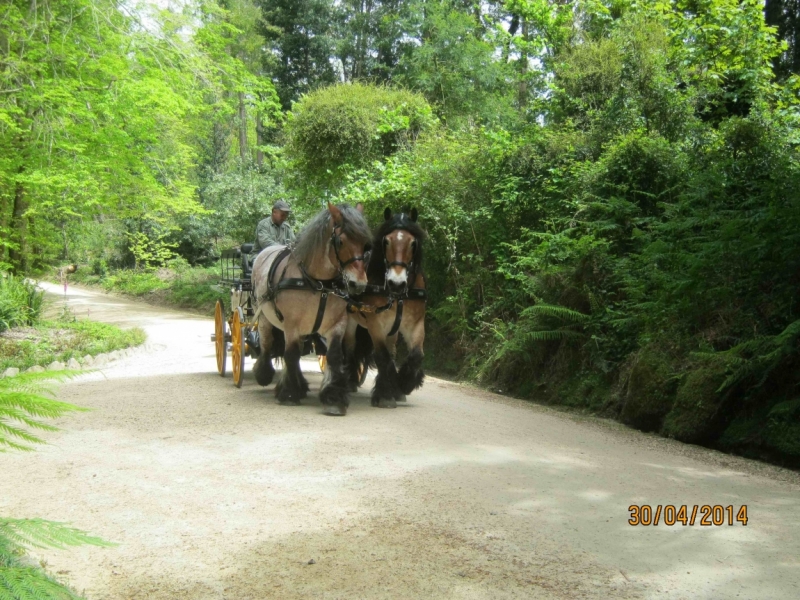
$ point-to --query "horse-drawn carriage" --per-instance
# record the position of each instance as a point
(238, 330)
(315, 296)
(238, 327)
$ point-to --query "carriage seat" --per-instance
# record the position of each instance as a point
(247, 264)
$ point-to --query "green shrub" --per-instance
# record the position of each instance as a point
(698, 412)
(196, 288)
(650, 391)
(781, 434)
(134, 283)
(20, 302)
(345, 127)
(58, 340)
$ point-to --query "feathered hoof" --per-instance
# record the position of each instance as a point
(287, 396)
(401, 398)
(288, 402)
(335, 410)
(263, 371)
(387, 403)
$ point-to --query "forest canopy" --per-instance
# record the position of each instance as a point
(611, 187)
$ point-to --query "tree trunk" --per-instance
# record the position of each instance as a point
(18, 254)
(5, 205)
(242, 128)
(259, 141)
(523, 67)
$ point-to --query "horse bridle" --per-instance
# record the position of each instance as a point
(408, 266)
(336, 240)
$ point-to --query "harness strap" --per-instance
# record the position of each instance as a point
(323, 300)
(397, 318)
(273, 292)
(412, 294)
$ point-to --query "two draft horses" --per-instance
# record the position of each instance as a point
(336, 279)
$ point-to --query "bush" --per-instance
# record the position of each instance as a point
(20, 302)
(650, 391)
(697, 415)
(60, 340)
(135, 283)
(344, 127)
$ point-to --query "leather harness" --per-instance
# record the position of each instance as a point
(333, 286)
(336, 287)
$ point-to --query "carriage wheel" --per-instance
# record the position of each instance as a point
(237, 346)
(219, 338)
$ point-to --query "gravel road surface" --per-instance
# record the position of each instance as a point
(215, 492)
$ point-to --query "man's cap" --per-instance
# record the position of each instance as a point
(281, 205)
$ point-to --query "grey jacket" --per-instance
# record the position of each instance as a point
(268, 234)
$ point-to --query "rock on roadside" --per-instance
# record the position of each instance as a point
(11, 372)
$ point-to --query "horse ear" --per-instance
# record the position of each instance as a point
(336, 215)
(360, 208)
(414, 214)
(387, 214)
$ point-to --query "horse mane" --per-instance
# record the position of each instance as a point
(376, 272)
(314, 237)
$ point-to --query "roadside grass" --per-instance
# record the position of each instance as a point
(179, 286)
(49, 341)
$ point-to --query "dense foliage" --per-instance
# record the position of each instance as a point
(610, 186)
(20, 302)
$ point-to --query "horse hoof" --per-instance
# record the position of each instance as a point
(387, 403)
(402, 398)
(335, 410)
(289, 402)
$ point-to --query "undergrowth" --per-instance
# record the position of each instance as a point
(51, 341)
(177, 285)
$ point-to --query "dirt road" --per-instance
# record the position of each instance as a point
(214, 492)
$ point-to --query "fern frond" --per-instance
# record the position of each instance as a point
(9, 433)
(546, 336)
(22, 402)
(35, 382)
(38, 533)
(37, 406)
(559, 312)
(31, 583)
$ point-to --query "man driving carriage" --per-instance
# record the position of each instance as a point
(274, 229)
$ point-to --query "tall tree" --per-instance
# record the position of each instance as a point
(300, 34)
(784, 15)
(102, 122)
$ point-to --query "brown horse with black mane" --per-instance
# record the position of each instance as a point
(304, 289)
(395, 299)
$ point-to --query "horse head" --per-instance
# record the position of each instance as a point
(350, 245)
(401, 244)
